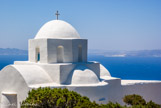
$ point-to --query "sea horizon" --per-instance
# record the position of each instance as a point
(129, 68)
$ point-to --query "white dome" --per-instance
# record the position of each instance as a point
(57, 29)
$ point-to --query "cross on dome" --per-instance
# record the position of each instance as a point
(57, 14)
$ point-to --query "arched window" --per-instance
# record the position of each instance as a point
(37, 54)
(80, 53)
(60, 54)
(8, 100)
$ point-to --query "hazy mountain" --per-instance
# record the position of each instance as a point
(107, 53)
(12, 51)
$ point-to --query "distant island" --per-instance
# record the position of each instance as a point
(121, 53)
(106, 53)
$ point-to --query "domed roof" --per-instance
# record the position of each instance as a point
(57, 29)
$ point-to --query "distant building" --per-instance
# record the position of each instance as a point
(58, 59)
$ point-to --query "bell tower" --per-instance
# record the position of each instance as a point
(57, 42)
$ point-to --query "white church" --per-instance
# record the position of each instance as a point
(58, 59)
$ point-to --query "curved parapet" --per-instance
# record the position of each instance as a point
(104, 71)
(83, 75)
(31, 74)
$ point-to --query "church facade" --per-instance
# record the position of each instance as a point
(58, 59)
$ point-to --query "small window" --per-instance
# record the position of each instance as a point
(60, 54)
(37, 54)
(80, 53)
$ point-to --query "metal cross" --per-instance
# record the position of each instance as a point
(57, 14)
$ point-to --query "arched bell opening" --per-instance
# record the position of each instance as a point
(60, 54)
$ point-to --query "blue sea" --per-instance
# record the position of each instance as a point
(142, 68)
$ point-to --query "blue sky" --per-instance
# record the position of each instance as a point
(107, 24)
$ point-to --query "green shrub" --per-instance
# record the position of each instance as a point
(63, 98)
(59, 98)
(151, 104)
(111, 105)
(134, 100)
